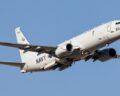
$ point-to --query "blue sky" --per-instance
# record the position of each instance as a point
(50, 22)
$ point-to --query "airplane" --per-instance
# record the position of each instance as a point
(86, 46)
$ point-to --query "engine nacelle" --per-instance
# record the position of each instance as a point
(106, 54)
(64, 50)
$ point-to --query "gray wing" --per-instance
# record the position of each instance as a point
(27, 47)
(15, 64)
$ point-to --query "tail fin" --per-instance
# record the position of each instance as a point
(25, 56)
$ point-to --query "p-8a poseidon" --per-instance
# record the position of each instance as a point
(83, 47)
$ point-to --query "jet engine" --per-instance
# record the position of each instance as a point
(105, 55)
(64, 50)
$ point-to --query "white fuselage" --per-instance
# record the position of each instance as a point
(89, 41)
(95, 38)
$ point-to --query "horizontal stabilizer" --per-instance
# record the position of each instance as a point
(15, 64)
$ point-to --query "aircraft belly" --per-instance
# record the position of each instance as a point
(32, 67)
(42, 66)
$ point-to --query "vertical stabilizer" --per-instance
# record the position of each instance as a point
(25, 56)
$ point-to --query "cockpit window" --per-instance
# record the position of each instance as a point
(117, 23)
